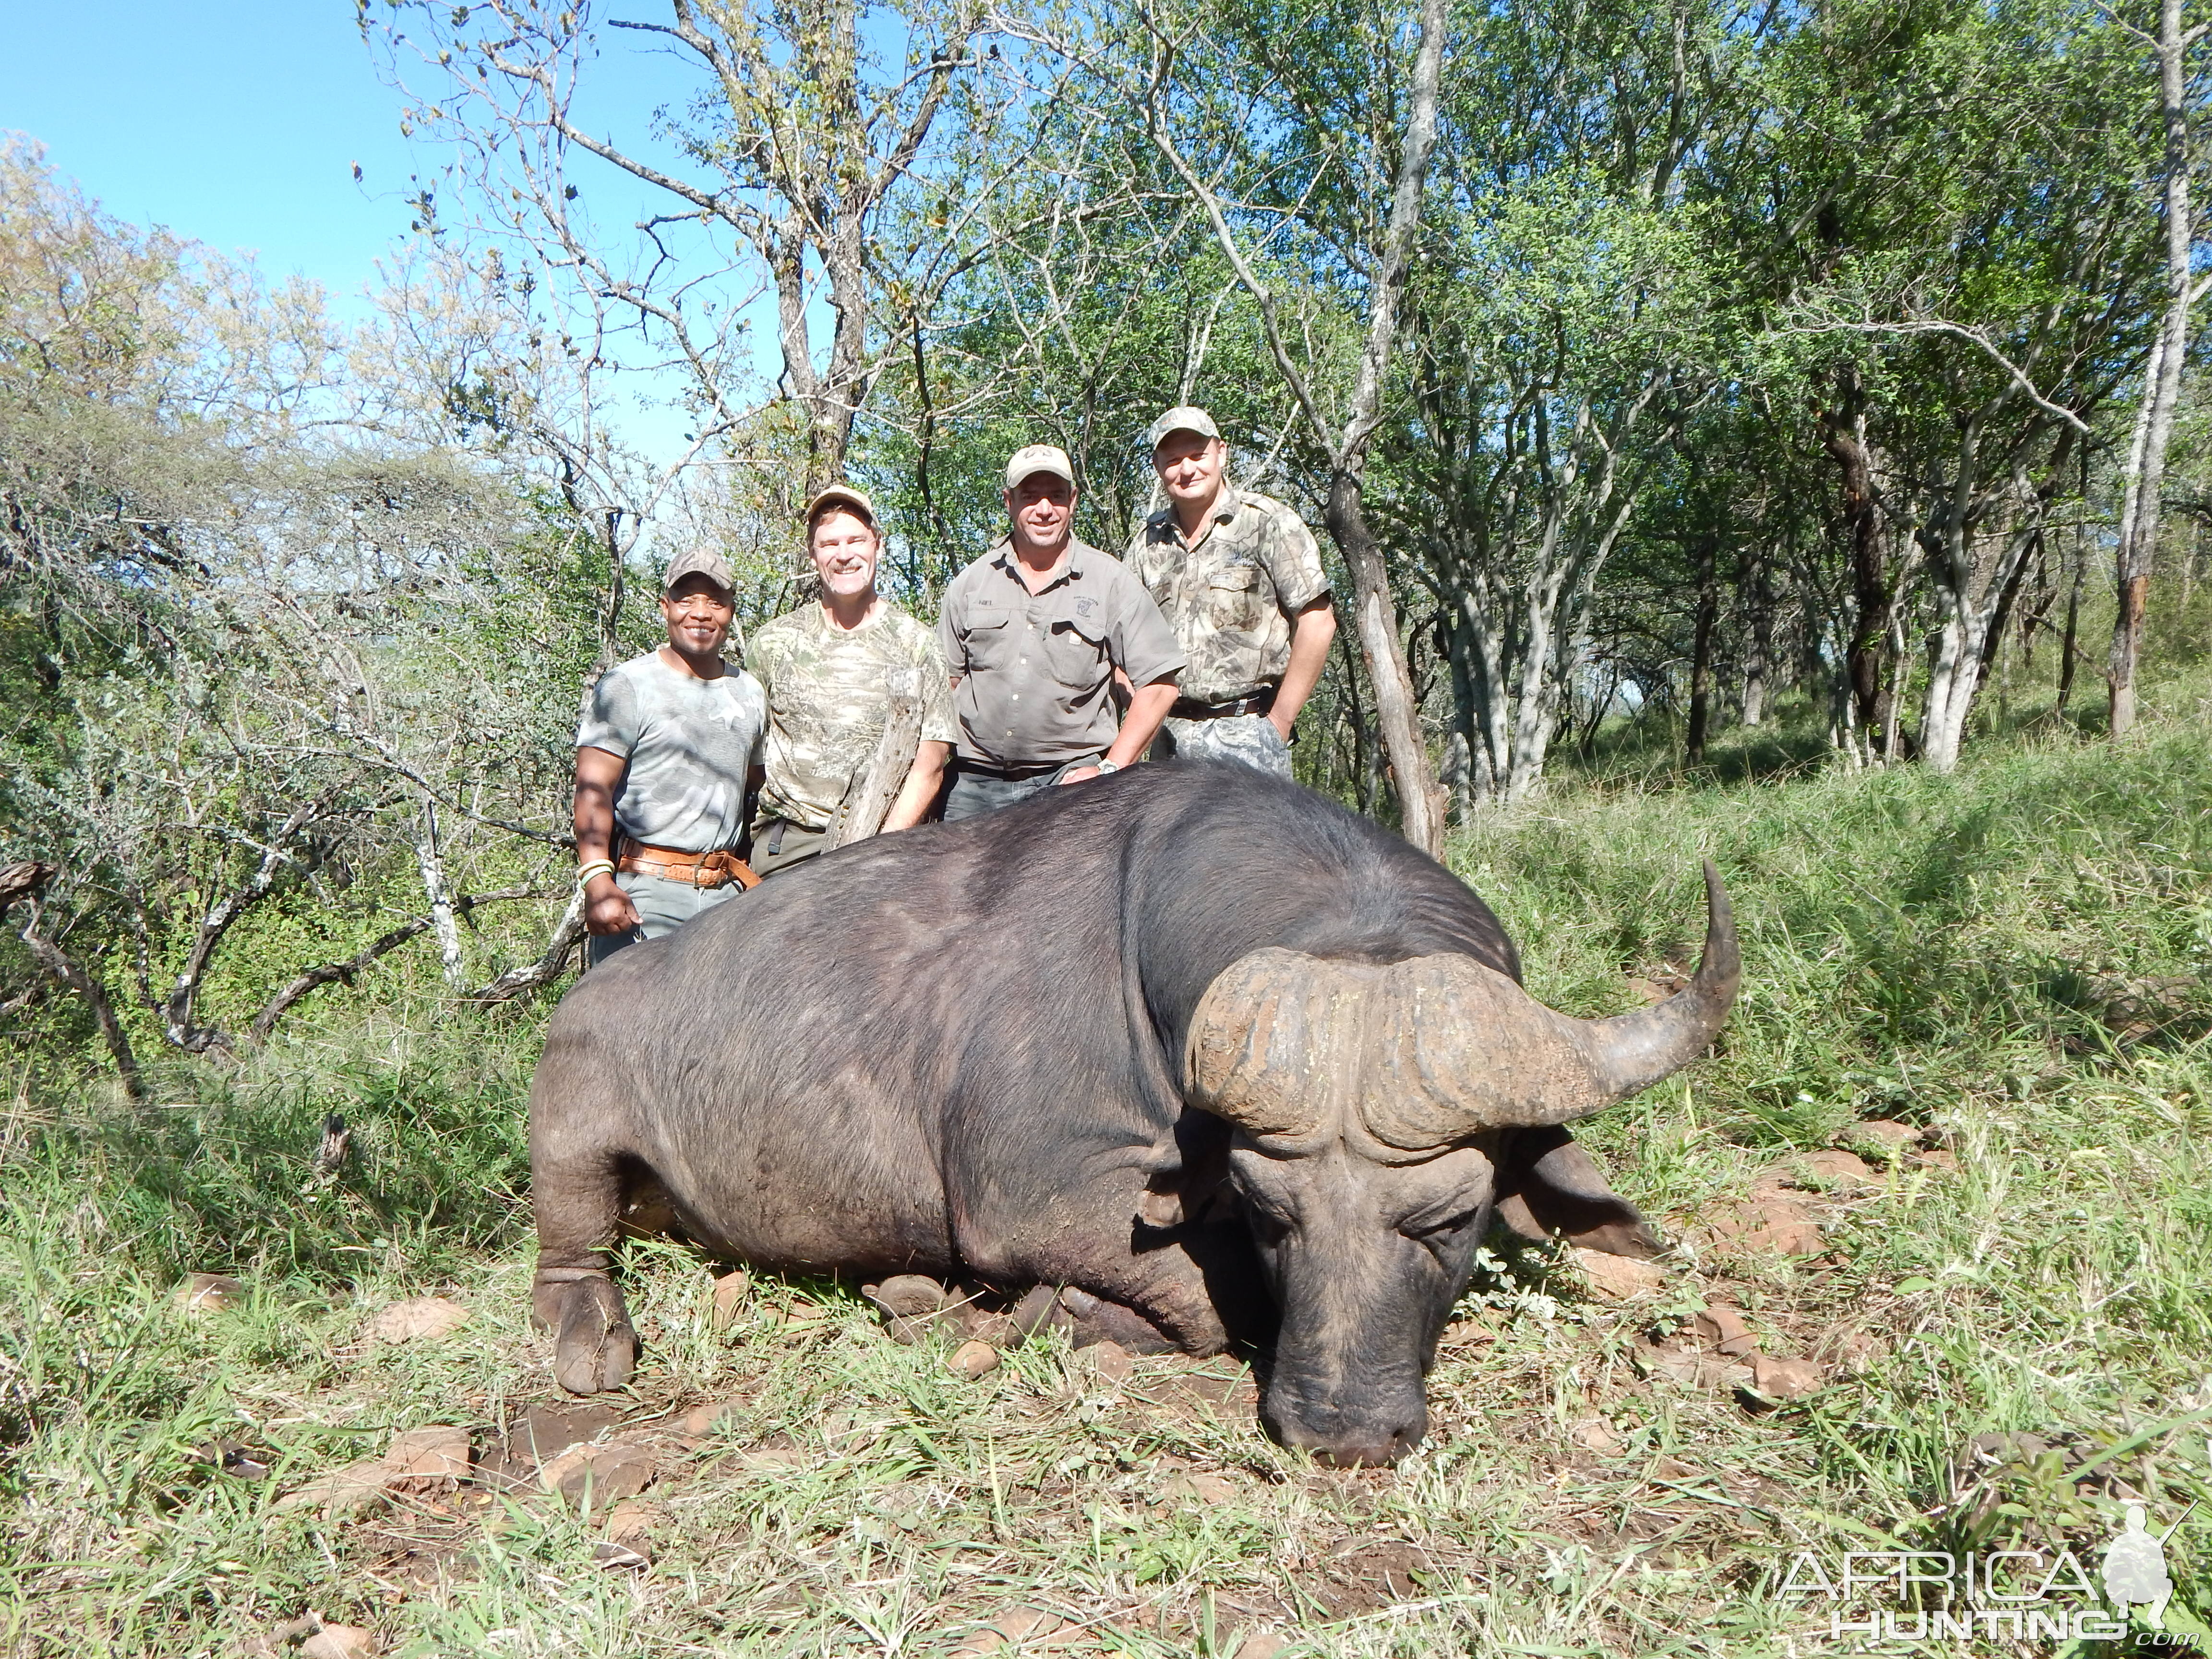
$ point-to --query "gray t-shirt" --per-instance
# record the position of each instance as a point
(689, 743)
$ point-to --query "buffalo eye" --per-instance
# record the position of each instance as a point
(1271, 1222)
(1439, 1231)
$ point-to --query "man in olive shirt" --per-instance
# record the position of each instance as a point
(1240, 578)
(1033, 632)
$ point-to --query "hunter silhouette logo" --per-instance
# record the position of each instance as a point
(2135, 1566)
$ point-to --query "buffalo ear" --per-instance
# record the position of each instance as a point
(1549, 1188)
(1187, 1175)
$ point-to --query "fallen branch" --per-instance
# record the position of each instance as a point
(547, 969)
(344, 972)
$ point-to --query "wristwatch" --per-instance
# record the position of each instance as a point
(1108, 763)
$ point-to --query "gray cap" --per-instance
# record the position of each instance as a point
(1187, 417)
(700, 562)
(1039, 457)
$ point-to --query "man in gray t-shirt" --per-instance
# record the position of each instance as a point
(669, 744)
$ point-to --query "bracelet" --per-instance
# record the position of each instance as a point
(586, 871)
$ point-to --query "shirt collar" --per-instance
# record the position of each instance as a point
(1078, 552)
(1226, 505)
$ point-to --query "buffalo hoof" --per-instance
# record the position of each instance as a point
(594, 1349)
(1089, 1319)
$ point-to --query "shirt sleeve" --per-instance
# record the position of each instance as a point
(938, 723)
(612, 719)
(760, 662)
(1145, 646)
(757, 695)
(948, 630)
(1293, 560)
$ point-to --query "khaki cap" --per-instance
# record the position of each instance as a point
(1186, 417)
(1039, 457)
(840, 494)
(700, 562)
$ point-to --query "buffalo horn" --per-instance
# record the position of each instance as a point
(1436, 1049)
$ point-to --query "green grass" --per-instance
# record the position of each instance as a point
(1945, 952)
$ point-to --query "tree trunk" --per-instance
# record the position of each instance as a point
(1842, 430)
(2067, 646)
(1701, 656)
(1421, 801)
(1756, 583)
(431, 861)
(2146, 473)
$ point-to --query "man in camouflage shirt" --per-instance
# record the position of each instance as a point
(1240, 579)
(831, 670)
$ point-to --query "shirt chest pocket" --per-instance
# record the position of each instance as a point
(1075, 650)
(1234, 598)
(990, 640)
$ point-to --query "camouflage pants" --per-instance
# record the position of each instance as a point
(1251, 738)
(663, 906)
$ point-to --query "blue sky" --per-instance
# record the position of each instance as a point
(237, 123)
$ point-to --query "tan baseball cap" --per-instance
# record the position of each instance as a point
(1187, 417)
(701, 561)
(839, 495)
(1039, 457)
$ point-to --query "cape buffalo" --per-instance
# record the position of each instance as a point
(1223, 1058)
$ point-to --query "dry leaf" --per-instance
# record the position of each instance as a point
(339, 1641)
(425, 1317)
(210, 1293)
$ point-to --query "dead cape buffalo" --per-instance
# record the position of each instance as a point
(1199, 1044)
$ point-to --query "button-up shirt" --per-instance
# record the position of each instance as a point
(1230, 598)
(1036, 671)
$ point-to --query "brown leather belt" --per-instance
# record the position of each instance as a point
(1258, 703)
(706, 869)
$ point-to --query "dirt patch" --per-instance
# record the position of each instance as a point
(1369, 1573)
(1214, 1389)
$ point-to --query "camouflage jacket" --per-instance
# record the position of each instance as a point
(1230, 598)
(829, 697)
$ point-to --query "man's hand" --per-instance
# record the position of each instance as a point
(1079, 773)
(607, 908)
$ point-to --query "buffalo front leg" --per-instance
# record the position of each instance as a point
(577, 1200)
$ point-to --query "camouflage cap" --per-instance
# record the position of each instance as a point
(844, 496)
(1039, 457)
(700, 562)
(1186, 417)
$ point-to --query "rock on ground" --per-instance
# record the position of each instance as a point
(972, 1360)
